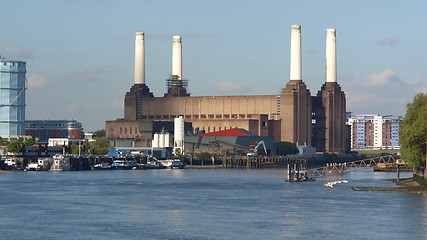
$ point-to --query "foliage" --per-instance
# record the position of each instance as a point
(413, 133)
(99, 146)
(284, 148)
(75, 149)
(3, 142)
(16, 146)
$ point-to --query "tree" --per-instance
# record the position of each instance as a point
(99, 146)
(413, 132)
(284, 148)
(16, 146)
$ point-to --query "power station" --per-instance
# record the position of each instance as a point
(293, 115)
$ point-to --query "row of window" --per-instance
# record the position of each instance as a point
(202, 116)
(19, 64)
(124, 130)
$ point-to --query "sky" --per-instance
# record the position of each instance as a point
(80, 53)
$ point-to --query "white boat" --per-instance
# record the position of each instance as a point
(173, 163)
(153, 164)
(331, 184)
(32, 167)
(102, 166)
(60, 163)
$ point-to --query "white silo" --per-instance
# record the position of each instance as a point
(155, 141)
(162, 140)
(178, 147)
(167, 143)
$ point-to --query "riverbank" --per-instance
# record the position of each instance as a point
(409, 185)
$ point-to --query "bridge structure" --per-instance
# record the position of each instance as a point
(341, 168)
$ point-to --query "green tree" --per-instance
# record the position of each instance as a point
(99, 146)
(29, 141)
(15, 146)
(413, 131)
(284, 148)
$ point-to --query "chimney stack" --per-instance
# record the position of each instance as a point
(177, 57)
(331, 56)
(296, 66)
(139, 59)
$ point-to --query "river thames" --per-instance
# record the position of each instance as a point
(204, 204)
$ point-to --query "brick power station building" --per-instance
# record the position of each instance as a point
(293, 115)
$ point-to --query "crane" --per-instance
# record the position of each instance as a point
(254, 153)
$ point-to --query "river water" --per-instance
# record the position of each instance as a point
(204, 204)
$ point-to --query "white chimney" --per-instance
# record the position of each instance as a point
(177, 57)
(139, 59)
(296, 66)
(331, 56)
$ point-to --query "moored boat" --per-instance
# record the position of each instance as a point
(60, 163)
(32, 167)
(102, 166)
(173, 163)
(124, 165)
(153, 164)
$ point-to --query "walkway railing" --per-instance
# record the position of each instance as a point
(340, 168)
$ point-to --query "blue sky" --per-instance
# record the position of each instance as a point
(80, 53)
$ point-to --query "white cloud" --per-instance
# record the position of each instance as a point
(84, 75)
(383, 93)
(383, 78)
(15, 51)
(232, 87)
(36, 81)
(388, 40)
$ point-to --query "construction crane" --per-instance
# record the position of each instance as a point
(254, 153)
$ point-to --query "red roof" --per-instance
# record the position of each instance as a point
(232, 132)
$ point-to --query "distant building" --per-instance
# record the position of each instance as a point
(12, 101)
(373, 131)
(42, 130)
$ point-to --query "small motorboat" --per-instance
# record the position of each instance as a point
(331, 184)
(32, 167)
(102, 166)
